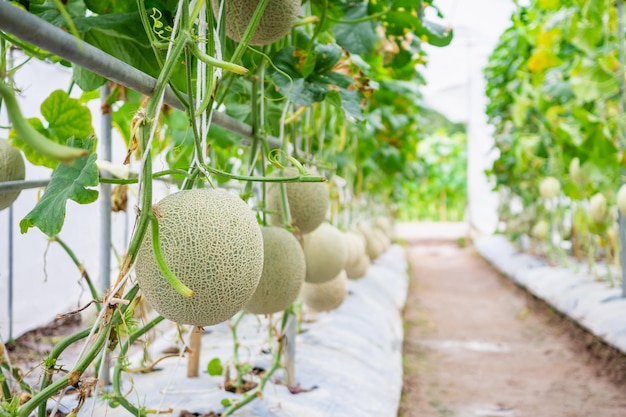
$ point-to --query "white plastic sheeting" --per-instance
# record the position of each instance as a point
(352, 357)
(593, 304)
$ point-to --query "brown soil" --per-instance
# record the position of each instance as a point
(478, 346)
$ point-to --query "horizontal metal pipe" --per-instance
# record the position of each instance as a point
(22, 185)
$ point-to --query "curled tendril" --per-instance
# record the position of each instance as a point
(275, 155)
(157, 25)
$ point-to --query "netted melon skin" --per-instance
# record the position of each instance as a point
(308, 202)
(283, 272)
(212, 242)
(278, 18)
(325, 296)
(12, 168)
(355, 247)
(358, 269)
(325, 253)
(373, 244)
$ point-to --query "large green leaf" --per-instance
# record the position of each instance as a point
(356, 38)
(305, 91)
(120, 35)
(590, 82)
(48, 11)
(111, 6)
(68, 181)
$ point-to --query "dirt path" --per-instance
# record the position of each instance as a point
(477, 346)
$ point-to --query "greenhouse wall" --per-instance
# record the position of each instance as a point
(455, 86)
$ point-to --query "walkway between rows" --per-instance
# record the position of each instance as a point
(477, 346)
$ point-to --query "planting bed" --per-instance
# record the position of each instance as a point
(348, 362)
(593, 304)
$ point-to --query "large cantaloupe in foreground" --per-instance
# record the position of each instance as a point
(325, 253)
(327, 295)
(308, 202)
(11, 169)
(212, 242)
(277, 20)
(283, 272)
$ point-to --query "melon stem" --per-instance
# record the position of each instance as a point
(276, 364)
(31, 137)
(209, 60)
(181, 288)
(236, 361)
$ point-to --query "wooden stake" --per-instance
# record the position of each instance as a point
(195, 345)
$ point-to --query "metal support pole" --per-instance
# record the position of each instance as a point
(106, 154)
(622, 135)
(10, 289)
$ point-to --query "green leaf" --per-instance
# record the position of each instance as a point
(214, 367)
(48, 11)
(122, 36)
(315, 87)
(68, 181)
(326, 56)
(225, 402)
(358, 38)
(66, 116)
(590, 82)
(111, 6)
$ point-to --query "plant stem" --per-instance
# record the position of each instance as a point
(247, 35)
(73, 377)
(136, 180)
(119, 367)
(81, 268)
(276, 363)
(209, 60)
(31, 137)
(52, 358)
(181, 288)
(236, 360)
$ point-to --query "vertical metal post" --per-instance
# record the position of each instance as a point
(622, 135)
(10, 60)
(10, 290)
(105, 212)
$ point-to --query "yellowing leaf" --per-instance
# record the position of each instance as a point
(542, 59)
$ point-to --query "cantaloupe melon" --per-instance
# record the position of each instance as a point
(324, 252)
(598, 208)
(308, 202)
(359, 268)
(541, 230)
(277, 20)
(549, 188)
(211, 241)
(373, 245)
(327, 295)
(283, 272)
(11, 169)
(357, 260)
(621, 200)
(386, 225)
(352, 250)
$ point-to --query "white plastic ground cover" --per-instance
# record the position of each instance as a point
(593, 304)
(352, 357)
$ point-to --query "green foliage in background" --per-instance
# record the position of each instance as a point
(553, 88)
